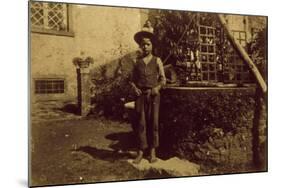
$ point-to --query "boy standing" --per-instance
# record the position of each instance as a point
(147, 79)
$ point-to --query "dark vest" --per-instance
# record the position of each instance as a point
(147, 75)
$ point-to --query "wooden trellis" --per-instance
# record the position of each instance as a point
(200, 48)
(207, 50)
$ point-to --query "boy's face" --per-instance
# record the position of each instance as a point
(146, 46)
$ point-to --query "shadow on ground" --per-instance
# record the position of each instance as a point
(122, 141)
(70, 108)
(103, 154)
(126, 142)
(120, 161)
(84, 151)
(122, 146)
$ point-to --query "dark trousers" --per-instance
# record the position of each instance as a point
(147, 120)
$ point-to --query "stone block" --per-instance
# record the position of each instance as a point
(173, 166)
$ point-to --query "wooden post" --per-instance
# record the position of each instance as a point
(244, 55)
(259, 131)
(259, 123)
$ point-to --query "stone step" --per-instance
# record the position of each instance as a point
(173, 166)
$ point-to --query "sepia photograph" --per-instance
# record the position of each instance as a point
(121, 93)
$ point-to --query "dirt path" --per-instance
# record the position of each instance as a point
(81, 151)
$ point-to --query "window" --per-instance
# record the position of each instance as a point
(240, 36)
(49, 86)
(207, 55)
(52, 18)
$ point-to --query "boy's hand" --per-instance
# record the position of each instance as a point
(155, 91)
(137, 91)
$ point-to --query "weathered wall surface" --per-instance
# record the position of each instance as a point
(246, 23)
(237, 22)
(104, 33)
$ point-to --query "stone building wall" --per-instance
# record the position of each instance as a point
(104, 33)
(246, 23)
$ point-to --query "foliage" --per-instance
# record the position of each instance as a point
(178, 43)
(178, 32)
(258, 50)
(109, 93)
(195, 122)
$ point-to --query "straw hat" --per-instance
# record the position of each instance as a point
(146, 32)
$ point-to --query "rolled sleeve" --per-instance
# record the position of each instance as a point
(162, 77)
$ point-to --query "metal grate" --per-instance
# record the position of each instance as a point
(49, 86)
(50, 16)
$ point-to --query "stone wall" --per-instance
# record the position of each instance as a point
(213, 125)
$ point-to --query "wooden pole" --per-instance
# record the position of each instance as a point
(259, 124)
(244, 55)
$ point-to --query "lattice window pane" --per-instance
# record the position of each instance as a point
(56, 19)
(50, 16)
(37, 14)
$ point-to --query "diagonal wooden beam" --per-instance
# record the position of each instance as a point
(244, 55)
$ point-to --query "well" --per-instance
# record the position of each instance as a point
(210, 124)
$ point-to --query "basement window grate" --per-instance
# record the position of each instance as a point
(49, 86)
